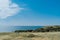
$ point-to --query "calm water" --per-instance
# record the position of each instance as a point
(13, 28)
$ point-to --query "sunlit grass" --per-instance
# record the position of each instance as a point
(30, 36)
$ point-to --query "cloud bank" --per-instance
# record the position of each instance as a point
(8, 8)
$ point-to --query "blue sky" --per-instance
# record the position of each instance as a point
(32, 12)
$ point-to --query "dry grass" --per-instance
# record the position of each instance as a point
(30, 36)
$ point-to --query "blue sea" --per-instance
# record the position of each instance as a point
(13, 28)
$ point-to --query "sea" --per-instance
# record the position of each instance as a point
(13, 28)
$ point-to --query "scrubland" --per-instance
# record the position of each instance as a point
(30, 36)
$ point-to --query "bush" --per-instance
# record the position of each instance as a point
(31, 35)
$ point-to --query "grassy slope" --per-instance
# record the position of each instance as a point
(27, 36)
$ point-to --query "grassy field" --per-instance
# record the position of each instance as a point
(30, 36)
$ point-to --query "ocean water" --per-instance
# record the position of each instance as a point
(13, 28)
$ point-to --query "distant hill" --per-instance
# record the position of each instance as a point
(48, 29)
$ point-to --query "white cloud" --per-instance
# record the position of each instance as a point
(8, 8)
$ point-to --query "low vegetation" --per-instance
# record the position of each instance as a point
(31, 36)
(43, 29)
(44, 33)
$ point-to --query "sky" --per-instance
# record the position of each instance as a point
(29, 12)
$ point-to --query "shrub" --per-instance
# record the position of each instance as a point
(31, 35)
